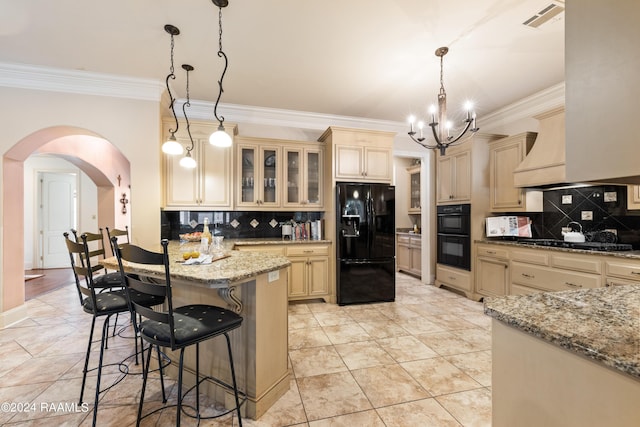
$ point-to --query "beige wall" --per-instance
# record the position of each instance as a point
(34, 119)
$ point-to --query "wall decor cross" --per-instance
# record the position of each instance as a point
(124, 202)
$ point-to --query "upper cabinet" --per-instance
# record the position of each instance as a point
(504, 156)
(278, 174)
(209, 185)
(258, 180)
(303, 176)
(414, 189)
(360, 155)
(454, 175)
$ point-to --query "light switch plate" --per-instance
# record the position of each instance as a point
(566, 199)
(610, 196)
(587, 215)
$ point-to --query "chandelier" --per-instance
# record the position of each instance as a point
(442, 128)
(220, 138)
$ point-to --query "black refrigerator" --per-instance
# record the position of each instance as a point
(366, 258)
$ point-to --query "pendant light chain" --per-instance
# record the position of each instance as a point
(221, 54)
(173, 31)
(188, 68)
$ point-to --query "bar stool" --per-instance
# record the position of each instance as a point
(177, 328)
(100, 304)
(118, 233)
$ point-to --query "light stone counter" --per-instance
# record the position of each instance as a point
(602, 324)
(569, 358)
(616, 254)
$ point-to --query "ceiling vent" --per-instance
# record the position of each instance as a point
(545, 15)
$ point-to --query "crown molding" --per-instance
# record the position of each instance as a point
(526, 108)
(89, 83)
(235, 113)
(50, 79)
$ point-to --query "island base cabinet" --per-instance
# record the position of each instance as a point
(535, 383)
(260, 345)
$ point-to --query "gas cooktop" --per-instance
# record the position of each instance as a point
(590, 246)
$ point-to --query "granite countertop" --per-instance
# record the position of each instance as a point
(602, 324)
(618, 254)
(272, 241)
(237, 267)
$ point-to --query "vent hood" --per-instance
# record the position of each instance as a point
(544, 166)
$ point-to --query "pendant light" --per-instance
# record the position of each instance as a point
(187, 161)
(171, 145)
(220, 138)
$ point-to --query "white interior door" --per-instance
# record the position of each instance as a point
(57, 214)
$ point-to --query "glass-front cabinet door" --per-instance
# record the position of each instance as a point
(303, 177)
(258, 176)
(414, 188)
(313, 177)
(248, 174)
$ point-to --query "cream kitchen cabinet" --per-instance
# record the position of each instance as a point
(309, 272)
(414, 189)
(492, 270)
(209, 185)
(303, 177)
(259, 175)
(409, 253)
(308, 275)
(456, 278)
(622, 272)
(504, 156)
(360, 155)
(454, 176)
(633, 197)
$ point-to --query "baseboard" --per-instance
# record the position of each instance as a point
(15, 315)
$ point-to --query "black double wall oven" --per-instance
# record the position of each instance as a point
(454, 236)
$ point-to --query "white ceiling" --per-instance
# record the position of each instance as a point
(362, 58)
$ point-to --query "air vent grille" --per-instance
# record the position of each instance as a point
(545, 15)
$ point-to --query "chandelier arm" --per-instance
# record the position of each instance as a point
(461, 134)
(419, 141)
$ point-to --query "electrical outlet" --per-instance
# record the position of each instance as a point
(587, 215)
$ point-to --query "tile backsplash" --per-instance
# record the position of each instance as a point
(596, 208)
(231, 225)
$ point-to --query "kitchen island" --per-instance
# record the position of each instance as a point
(569, 358)
(252, 284)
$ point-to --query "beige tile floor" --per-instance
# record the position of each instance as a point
(424, 360)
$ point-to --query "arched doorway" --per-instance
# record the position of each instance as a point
(95, 156)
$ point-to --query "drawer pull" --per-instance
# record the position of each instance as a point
(491, 252)
(308, 251)
(573, 285)
(452, 278)
(635, 272)
(528, 276)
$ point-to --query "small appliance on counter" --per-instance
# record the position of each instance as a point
(510, 226)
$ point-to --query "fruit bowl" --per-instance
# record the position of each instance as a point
(191, 237)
